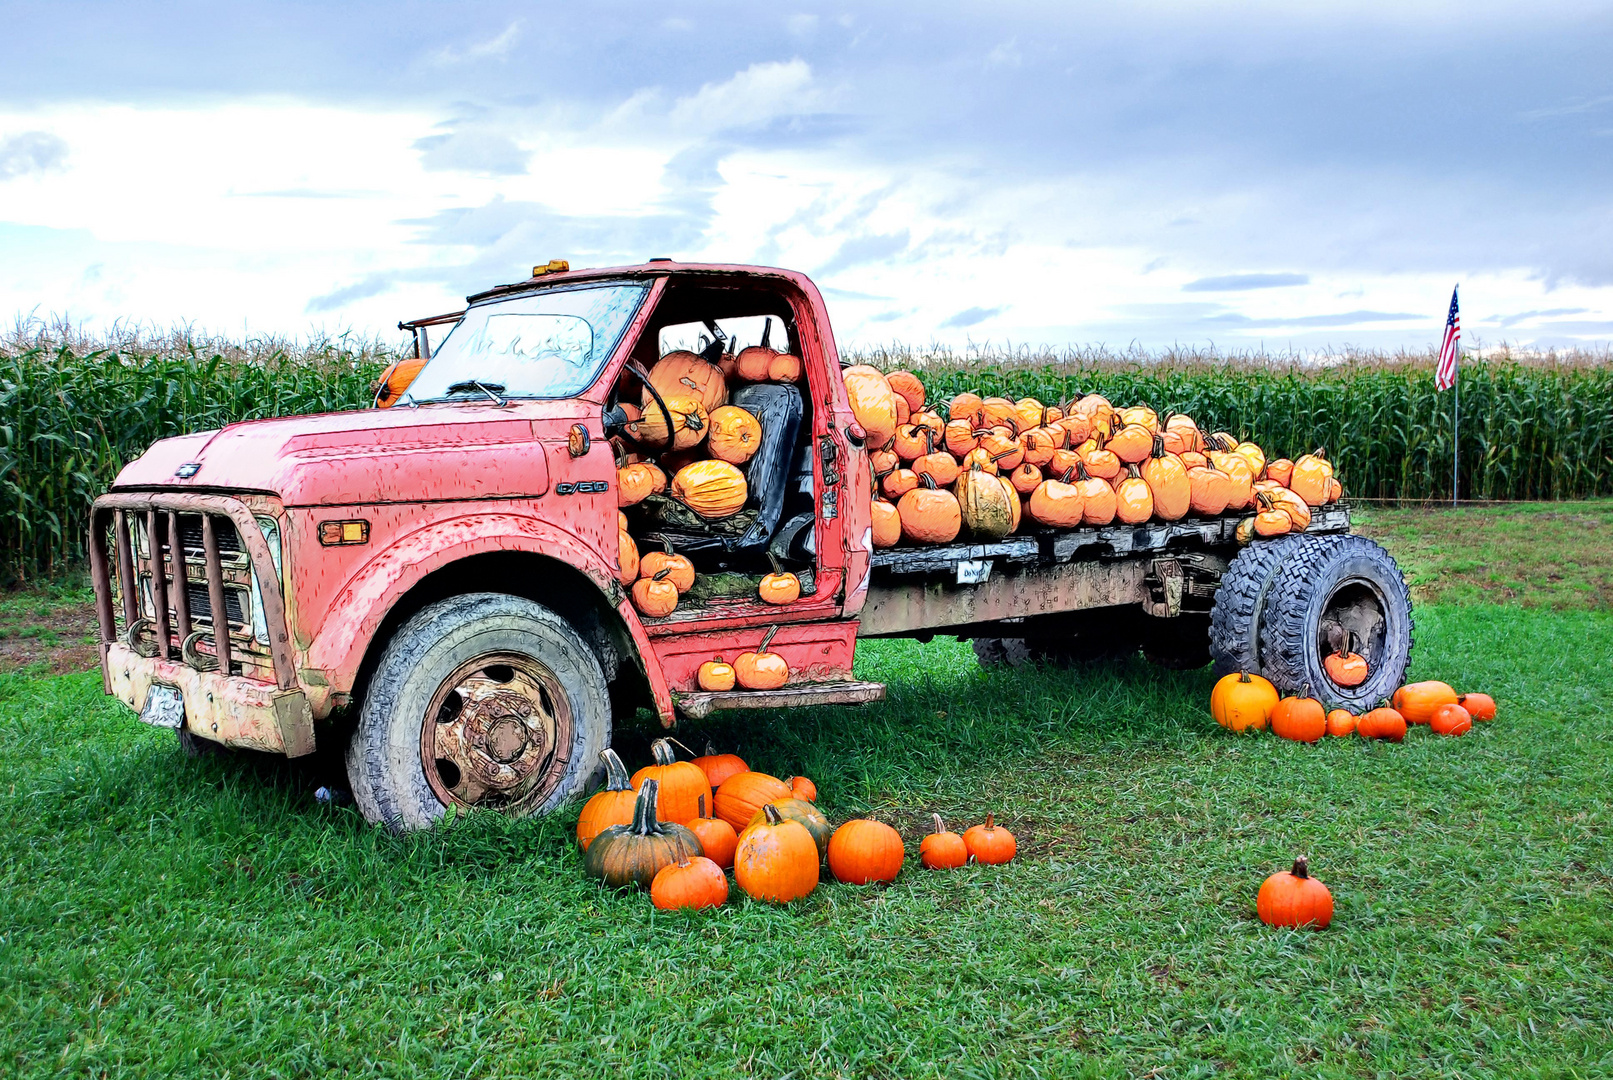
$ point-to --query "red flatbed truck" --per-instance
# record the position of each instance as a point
(434, 586)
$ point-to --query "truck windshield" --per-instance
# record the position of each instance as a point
(550, 344)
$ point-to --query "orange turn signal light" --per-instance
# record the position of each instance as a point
(578, 441)
(337, 533)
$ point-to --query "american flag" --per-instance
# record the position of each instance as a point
(1445, 373)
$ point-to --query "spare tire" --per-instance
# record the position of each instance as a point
(1349, 582)
(1241, 598)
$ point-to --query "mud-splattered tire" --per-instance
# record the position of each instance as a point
(1355, 584)
(441, 646)
(1241, 598)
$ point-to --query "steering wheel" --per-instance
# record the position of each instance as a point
(638, 369)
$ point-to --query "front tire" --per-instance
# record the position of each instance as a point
(481, 701)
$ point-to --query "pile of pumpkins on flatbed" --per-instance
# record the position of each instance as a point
(985, 467)
(651, 830)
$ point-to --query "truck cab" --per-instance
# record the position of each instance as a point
(436, 586)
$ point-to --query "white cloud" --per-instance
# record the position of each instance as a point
(494, 47)
(762, 92)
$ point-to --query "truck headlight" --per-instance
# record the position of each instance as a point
(271, 534)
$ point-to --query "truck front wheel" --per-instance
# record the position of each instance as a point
(481, 701)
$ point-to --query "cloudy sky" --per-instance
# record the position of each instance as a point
(1273, 174)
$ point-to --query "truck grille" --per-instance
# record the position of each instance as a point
(164, 563)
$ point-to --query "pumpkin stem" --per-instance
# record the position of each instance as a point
(926, 480)
(767, 332)
(1159, 445)
(700, 805)
(644, 820)
(939, 826)
(616, 778)
(1080, 471)
(767, 638)
(661, 751)
(1243, 676)
(990, 825)
(772, 814)
(1302, 867)
(773, 561)
(659, 574)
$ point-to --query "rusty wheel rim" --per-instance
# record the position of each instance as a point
(497, 734)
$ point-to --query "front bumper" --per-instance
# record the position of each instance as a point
(228, 709)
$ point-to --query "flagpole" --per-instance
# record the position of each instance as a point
(1456, 429)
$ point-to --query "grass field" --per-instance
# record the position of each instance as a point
(197, 917)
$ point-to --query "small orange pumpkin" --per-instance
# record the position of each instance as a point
(898, 482)
(717, 838)
(779, 587)
(1479, 706)
(694, 883)
(1057, 503)
(1168, 483)
(627, 560)
(610, 805)
(907, 384)
(1131, 444)
(1340, 722)
(1280, 470)
(753, 362)
(1295, 899)
(734, 434)
(655, 596)
(636, 482)
(990, 843)
(1301, 719)
(1098, 502)
(1026, 479)
(942, 850)
(861, 851)
(715, 675)
(1382, 723)
(688, 424)
(1210, 490)
(803, 789)
(784, 368)
(680, 571)
(762, 670)
(887, 524)
(719, 767)
(1134, 500)
(1450, 720)
(940, 466)
(1346, 667)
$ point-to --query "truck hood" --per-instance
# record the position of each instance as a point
(458, 451)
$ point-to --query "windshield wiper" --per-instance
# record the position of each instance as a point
(492, 390)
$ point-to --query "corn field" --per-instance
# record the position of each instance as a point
(74, 409)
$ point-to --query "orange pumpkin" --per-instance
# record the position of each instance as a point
(1056, 503)
(779, 587)
(1382, 723)
(719, 767)
(1167, 482)
(883, 463)
(909, 387)
(942, 850)
(998, 411)
(684, 789)
(1297, 510)
(1271, 521)
(695, 883)
(1100, 461)
(735, 434)
(636, 482)
(784, 368)
(961, 436)
(712, 489)
(930, 515)
(804, 789)
(685, 374)
(1026, 479)
(1311, 478)
(1003, 449)
(1478, 706)
(1301, 719)
(1294, 899)
(1098, 502)
(1345, 666)
(717, 838)
(887, 524)
(1131, 444)
(752, 363)
(873, 402)
(776, 860)
(1038, 446)
(966, 407)
(793, 809)
(898, 482)
(1340, 722)
(762, 670)
(655, 596)
(1243, 702)
(1280, 470)
(627, 561)
(715, 675)
(680, 571)
(688, 425)
(395, 380)
(1210, 489)
(1142, 416)
(978, 458)
(742, 794)
(1134, 501)
(990, 843)
(1186, 431)
(1335, 490)
(913, 441)
(1450, 720)
(610, 805)
(941, 467)
(861, 851)
(1417, 701)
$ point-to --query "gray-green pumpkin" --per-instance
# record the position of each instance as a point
(631, 854)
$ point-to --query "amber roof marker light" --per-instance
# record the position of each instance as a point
(553, 266)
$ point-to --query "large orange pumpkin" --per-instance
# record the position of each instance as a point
(1301, 719)
(688, 424)
(1131, 444)
(802, 810)
(1294, 899)
(1210, 490)
(696, 882)
(741, 795)
(909, 387)
(873, 402)
(684, 789)
(1167, 482)
(887, 524)
(1057, 504)
(610, 805)
(712, 489)
(1311, 479)
(1243, 702)
(861, 851)
(1134, 500)
(684, 374)
(1417, 701)
(735, 434)
(930, 515)
(776, 860)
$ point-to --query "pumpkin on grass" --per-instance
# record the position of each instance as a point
(861, 851)
(1341, 722)
(1382, 723)
(803, 788)
(1479, 706)
(942, 850)
(776, 860)
(762, 670)
(694, 883)
(1301, 719)
(611, 805)
(683, 784)
(717, 838)
(633, 854)
(793, 809)
(740, 796)
(1243, 702)
(990, 843)
(1450, 720)
(719, 767)
(1294, 899)
(715, 675)
(1417, 701)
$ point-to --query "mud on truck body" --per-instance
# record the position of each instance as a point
(434, 586)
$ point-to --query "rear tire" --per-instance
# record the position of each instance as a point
(1354, 584)
(483, 701)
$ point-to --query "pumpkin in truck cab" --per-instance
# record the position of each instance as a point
(734, 434)
(712, 489)
(685, 374)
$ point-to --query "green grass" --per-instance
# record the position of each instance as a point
(165, 916)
